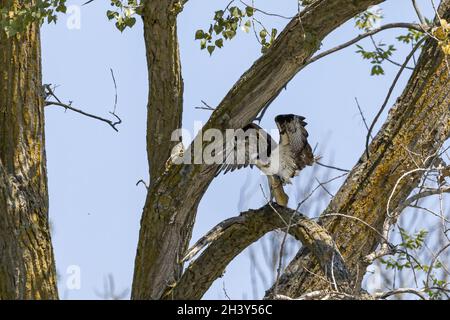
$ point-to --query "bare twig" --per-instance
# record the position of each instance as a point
(225, 291)
(205, 106)
(113, 124)
(381, 51)
(384, 295)
(363, 36)
(49, 92)
(332, 167)
(418, 12)
(435, 258)
(265, 12)
(361, 114)
(281, 253)
(143, 183)
(317, 187)
(391, 90)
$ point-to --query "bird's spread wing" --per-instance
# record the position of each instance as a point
(247, 147)
(295, 150)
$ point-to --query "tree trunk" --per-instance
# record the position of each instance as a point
(27, 268)
(415, 130)
(165, 108)
(165, 103)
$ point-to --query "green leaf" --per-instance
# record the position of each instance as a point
(203, 44)
(274, 32)
(130, 22)
(263, 33)
(235, 12)
(250, 11)
(61, 8)
(120, 24)
(219, 43)
(246, 27)
(218, 28)
(218, 15)
(111, 14)
(199, 34)
(211, 49)
(229, 34)
(377, 70)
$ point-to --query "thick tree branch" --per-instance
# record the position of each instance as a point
(415, 130)
(224, 242)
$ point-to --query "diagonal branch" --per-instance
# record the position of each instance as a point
(418, 12)
(113, 124)
(232, 236)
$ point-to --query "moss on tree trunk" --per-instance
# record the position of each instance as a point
(27, 268)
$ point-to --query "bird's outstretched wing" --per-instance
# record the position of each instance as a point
(294, 145)
(247, 147)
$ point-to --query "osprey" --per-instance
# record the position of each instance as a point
(279, 162)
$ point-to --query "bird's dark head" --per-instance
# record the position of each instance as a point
(284, 119)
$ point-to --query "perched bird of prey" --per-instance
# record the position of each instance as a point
(280, 162)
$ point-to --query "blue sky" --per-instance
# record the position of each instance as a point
(95, 206)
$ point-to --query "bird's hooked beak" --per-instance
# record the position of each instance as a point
(286, 118)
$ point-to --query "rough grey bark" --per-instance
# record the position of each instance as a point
(165, 103)
(27, 268)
